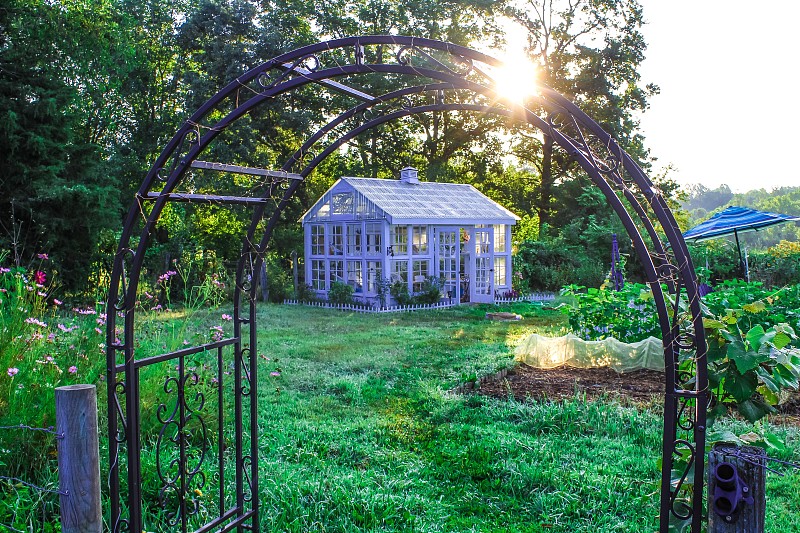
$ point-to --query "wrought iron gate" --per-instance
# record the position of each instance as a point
(197, 446)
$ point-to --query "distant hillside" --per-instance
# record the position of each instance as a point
(703, 202)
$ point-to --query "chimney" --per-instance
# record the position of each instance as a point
(409, 175)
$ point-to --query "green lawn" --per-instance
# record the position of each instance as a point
(358, 433)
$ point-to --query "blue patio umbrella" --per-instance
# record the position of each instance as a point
(734, 220)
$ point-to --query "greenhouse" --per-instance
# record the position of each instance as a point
(368, 232)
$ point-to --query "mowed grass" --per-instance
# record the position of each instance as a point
(359, 433)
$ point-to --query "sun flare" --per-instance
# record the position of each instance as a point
(515, 80)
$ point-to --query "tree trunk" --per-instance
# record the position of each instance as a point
(546, 188)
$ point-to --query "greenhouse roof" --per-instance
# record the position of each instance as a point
(431, 202)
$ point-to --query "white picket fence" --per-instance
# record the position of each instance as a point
(368, 309)
(359, 308)
(533, 297)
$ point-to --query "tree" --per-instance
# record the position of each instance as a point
(57, 199)
(589, 51)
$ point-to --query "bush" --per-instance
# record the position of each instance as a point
(430, 291)
(305, 293)
(777, 266)
(399, 291)
(628, 315)
(340, 293)
(550, 265)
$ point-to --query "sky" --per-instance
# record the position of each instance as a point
(729, 106)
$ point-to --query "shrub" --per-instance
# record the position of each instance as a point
(340, 293)
(628, 315)
(399, 291)
(430, 291)
(305, 293)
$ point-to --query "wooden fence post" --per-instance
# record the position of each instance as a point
(294, 272)
(78, 459)
(736, 489)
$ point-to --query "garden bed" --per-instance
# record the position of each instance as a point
(641, 386)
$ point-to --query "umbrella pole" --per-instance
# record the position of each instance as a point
(739, 249)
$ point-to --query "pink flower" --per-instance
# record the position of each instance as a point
(40, 277)
(13, 371)
(226, 317)
(73, 369)
(275, 373)
(99, 331)
(163, 278)
(35, 322)
(43, 257)
(42, 294)
(57, 301)
(4, 270)
(51, 337)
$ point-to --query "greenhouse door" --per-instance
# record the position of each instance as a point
(482, 266)
(447, 243)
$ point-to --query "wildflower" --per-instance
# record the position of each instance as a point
(42, 294)
(40, 277)
(57, 301)
(35, 322)
(275, 373)
(163, 278)
(4, 270)
(217, 333)
(65, 329)
(51, 337)
(185, 342)
(13, 371)
(43, 257)
(49, 359)
(73, 369)
(99, 331)
(156, 308)
(226, 317)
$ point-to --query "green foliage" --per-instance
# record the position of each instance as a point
(551, 264)
(628, 315)
(399, 292)
(430, 291)
(340, 293)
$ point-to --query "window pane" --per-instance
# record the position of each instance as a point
(419, 240)
(420, 271)
(317, 239)
(318, 275)
(374, 237)
(355, 277)
(336, 245)
(500, 271)
(336, 271)
(500, 238)
(373, 274)
(400, 240)
(400, 271)
(354, 239)
(342, 203)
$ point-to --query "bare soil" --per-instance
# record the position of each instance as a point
(639, 387)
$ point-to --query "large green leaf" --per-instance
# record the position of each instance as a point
(743, 358)
(755, 409)
(785, 377)
(755, 335)
(741, 387)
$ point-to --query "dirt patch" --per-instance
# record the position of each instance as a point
(564, 382)
(642, 386)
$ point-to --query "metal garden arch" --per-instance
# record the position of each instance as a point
(199, 447)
